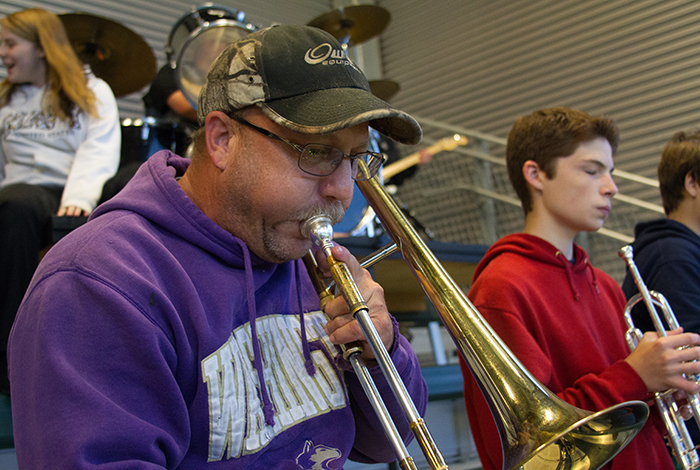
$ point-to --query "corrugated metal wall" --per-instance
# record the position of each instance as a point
(480, 64)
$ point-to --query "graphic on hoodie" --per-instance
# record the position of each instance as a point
(236, 420)
(317, 457)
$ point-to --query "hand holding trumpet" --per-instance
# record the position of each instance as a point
(665, 363)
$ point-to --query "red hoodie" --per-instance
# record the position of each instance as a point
(564, 322)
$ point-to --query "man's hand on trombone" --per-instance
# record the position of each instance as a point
(342, 328)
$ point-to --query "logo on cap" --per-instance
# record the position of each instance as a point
(326, 55)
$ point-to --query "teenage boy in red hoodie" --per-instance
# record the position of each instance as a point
(561, 317)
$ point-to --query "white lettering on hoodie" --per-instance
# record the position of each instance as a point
(236, 420)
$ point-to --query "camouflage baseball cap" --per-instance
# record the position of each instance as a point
(301, 78)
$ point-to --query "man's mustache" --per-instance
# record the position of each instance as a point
(334, 211)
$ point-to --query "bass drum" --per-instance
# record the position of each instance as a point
(196, 41)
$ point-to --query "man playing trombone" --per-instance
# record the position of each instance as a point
(561, 317)
(667, 250)
(179, 328)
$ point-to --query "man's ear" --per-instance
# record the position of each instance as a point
(218, 138)
(533, 174)
(691, 185)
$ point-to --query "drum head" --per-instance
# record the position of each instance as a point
(195, 19)
(200, 51)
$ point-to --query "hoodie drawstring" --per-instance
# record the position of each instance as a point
(268, 409)
(595, 278)
(308, 362)
(569, 273)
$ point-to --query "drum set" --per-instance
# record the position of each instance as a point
(127, 63)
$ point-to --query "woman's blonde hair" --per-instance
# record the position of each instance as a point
(66, 82)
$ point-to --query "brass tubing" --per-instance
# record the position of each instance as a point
(427, 444)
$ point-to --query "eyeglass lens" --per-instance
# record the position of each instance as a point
(322, 160)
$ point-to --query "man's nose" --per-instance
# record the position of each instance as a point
(339, 184)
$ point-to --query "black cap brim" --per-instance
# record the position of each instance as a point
(333, 109)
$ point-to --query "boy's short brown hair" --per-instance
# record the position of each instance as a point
(549, 134)
(680, 157)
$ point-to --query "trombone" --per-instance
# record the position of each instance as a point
(678, 438)
(538, 430)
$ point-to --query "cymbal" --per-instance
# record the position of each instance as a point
(116, 54)
(353, 24)
(384, 89)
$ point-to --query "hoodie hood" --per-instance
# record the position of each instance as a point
(155, 182)
(646, 233)
(542, 252)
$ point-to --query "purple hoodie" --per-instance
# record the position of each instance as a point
(134, 348)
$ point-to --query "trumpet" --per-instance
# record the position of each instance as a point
(677, 438)
(538, 430)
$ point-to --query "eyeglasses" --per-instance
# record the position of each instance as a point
(322, 160)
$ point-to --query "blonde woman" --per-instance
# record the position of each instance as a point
(59, 142)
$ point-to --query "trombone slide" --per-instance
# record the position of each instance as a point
(352, 353)
(320, 231)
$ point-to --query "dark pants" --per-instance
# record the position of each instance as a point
(25, 229)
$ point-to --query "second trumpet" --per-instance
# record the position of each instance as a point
(678, 437)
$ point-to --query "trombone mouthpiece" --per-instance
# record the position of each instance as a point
(319, 229)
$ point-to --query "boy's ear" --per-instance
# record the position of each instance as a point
(692, 185)
(533, 174)
(218, 138)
